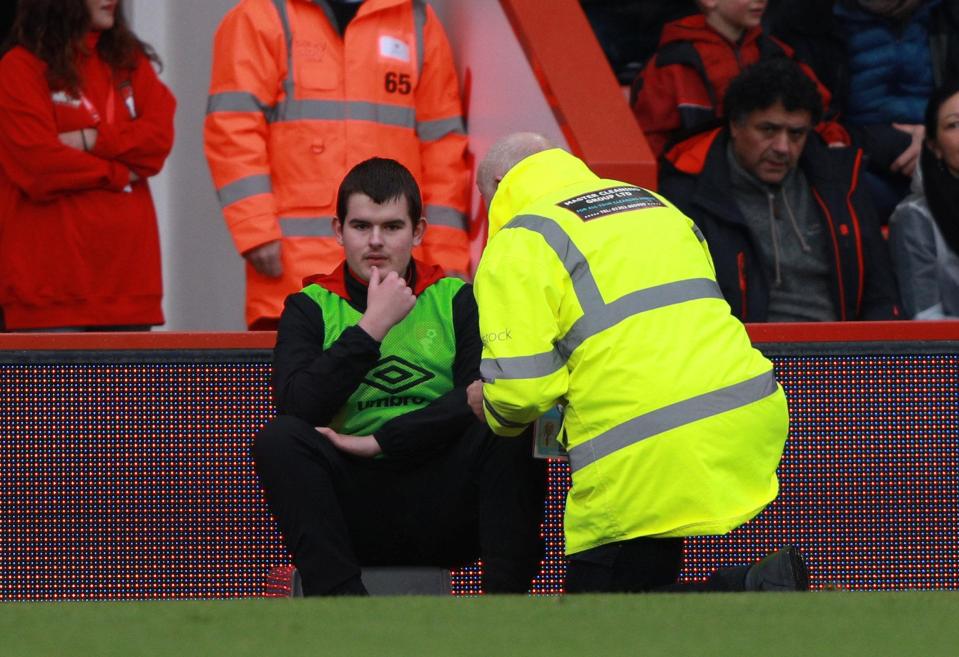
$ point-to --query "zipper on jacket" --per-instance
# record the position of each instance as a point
(835, 246)
(855, 226)
(741, 266)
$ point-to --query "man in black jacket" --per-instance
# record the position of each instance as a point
(376, 458)
(793, 236)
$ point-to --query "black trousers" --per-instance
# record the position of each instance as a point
(483, 497)
(642, 565)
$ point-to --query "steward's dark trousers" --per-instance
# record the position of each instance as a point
(482, 497)
(641, 565)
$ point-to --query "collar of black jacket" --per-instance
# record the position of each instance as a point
(825, 169)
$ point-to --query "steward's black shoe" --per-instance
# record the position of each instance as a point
(783, 570)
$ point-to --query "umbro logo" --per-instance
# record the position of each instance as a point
(394, 375)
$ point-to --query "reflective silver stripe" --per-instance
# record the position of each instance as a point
(330, 16)
(244, 188)
(332, 110)
(436, 130)
(499, 418)
(590, 299)
(292, 109)
(672, 417)
(698, 233)
(297, 110)
(529, 367)
(306, 226)
(441, 215)
(339, 110)
(419, 23)
(235, 101)
(521, 367)
(288, 36)
(404, 117)
(635, 303)
(597, 314)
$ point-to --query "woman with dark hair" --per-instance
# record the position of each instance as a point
(924, 229)
(84, 121)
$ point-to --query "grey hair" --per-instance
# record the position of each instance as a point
(504, 155)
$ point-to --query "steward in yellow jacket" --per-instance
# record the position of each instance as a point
(601, 296)
(301, 92)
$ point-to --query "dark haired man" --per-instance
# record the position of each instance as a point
(793, 235)
(375, 458)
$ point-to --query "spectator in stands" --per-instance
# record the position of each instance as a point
(85, 122)
(880, 58)
(674, 423)
(301, 91)
(793, 236)
(890, 62)
(924, 229)
(376, 458)
(679, 92)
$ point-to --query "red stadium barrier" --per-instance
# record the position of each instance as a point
(581, 89)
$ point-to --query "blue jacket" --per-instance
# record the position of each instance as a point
(890, 65)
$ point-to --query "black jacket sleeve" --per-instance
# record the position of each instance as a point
(431, 429)
(308, 382)
(881, 144)
(880, 299)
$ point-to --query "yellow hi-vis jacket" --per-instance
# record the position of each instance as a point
(602, 296)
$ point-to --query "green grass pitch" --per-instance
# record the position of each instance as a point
(700, 625)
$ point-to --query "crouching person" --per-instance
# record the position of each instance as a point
(674, 423)
(375, 458)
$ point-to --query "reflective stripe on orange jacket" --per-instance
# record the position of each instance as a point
(293, 106)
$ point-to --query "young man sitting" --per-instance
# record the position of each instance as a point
(375, 458)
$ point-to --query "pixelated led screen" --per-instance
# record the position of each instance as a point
(128, 475)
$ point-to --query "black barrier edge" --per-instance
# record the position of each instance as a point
(128, 357)
(924, 348)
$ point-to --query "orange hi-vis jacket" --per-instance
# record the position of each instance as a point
(293, 106)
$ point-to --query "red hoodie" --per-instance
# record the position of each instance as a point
(674, 96)
(78, 242)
